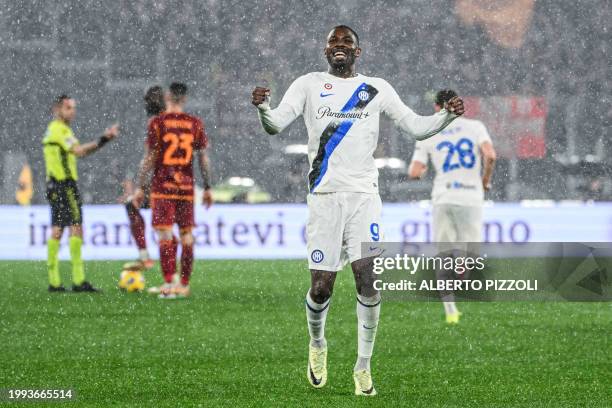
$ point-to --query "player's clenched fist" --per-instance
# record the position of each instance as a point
(455, 105)
(259, 95)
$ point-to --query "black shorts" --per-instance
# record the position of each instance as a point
(65, 201)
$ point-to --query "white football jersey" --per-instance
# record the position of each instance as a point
(342, 118)
(456, 157)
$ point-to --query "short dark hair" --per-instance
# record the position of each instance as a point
(178, 90)
(350, 29)
(154, 100)
(58, 100)
(444, 96)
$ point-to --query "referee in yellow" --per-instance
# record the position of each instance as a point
(61, 150)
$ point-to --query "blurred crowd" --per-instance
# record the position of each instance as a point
(106, 56)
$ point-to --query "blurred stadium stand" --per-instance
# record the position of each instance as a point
(105, 56)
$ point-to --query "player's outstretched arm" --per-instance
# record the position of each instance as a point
(420, 127)
(272, 120)
(85, 149)
(205, 172)
(144, 176)
(488, 158)
(424, 127)
(290, 107)
(82, 150)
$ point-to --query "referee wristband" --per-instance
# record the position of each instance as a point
(103, 140)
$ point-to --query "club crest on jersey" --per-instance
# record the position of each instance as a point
(363, 95)
(317, 256)
(328, 86)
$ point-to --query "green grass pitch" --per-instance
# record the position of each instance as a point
(241, 340)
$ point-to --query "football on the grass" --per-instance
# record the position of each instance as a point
(132, 281)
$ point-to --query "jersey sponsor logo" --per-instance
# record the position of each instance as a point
(451, 131)
(326, 111)
(317, 256)
(324, 95)
(328, 86)
(460, 186)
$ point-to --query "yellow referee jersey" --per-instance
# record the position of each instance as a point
(60, 162)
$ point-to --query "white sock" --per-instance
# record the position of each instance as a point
(450, 308)
(368, 313)
(176, 278)
(143, 254)
(315, 315)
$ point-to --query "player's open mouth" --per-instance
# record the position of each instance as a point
(339, 54)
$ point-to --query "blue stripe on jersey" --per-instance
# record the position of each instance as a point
(341, 131)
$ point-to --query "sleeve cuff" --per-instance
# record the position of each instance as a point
(264, 107)
(447, 113)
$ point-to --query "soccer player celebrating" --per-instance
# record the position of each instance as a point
(61, 150)
(341, 110)
(173, 136)
(154, 105)
(463, 157)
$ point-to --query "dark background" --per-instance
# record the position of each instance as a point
(105, 54)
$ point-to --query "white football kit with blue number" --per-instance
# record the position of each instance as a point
(342, 119)
(457, 194)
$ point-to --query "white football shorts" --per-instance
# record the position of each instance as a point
(338, 223)
(457, 223)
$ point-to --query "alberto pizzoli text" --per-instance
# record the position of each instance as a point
(458, 285)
